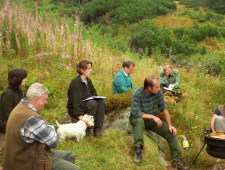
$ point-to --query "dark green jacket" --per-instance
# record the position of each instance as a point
(8, 101)
(77, 92)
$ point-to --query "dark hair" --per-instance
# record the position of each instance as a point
(149, 81)
(15, 77)
(127, 63)
(82, 65)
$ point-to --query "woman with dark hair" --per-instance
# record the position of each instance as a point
(81, 88)
(12, 95)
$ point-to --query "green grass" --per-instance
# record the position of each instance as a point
(51, 67)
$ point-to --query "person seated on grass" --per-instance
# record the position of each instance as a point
(169, 76)
(218, 119)
(122, 81)
(170, 79)
(144, 107)
(28, 137)
(12, 95)
(81, 88)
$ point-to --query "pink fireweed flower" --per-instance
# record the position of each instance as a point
(41, 77)
(65, 15)
(55, 21)
(6, 11)
(35, 9)
(65, 54)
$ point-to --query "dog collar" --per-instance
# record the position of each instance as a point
(86, 124)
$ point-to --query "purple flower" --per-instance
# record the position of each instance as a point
(75, 33)
(35, 9)
(55, 21)
(65, 54)
(6, 11)
(41, 77)
(0, 17)
(76, 12)
(65, 15)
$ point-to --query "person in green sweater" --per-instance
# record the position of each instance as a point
(81, 88)
(169, 77)
(12, 95)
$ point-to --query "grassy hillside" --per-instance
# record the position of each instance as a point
(50, 45)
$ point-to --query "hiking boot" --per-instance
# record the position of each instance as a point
(137, 158)
(88, 132)
(97, 132)
(179, 164)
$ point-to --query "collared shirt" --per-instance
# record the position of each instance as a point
(166, 81)
(36, 129)
(142, 103)
(125, 73)
(122, 82)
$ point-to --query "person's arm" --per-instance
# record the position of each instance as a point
(36, 129)
(7, 104)
(177, 79)
(216, 113)
(212, 122)
(163, 79)
(93, 91)
(154, 118)
(168, 121)
(120, 84)
(76, 96)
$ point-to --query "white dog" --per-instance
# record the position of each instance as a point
(77, 130)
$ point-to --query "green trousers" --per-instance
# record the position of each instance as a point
(140, 125)
(62, 160)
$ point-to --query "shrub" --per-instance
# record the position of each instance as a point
(213, 65)
(203, 50)
(147, 35)
(127, 10)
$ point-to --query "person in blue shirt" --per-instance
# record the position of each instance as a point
(122, 81)
(218, 119)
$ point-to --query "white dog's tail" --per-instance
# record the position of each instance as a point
(57, 123)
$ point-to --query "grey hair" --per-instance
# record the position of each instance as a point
(167, 67)
(36, 90)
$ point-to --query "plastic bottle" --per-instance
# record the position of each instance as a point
(185, 143)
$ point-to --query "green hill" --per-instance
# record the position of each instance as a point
(48, 38)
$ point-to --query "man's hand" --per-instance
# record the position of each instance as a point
(158, 121)
(173, 130)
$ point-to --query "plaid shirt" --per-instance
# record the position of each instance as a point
(36, 129)
(142, 103)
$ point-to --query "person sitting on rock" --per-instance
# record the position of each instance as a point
(81, 88)
(144, 107)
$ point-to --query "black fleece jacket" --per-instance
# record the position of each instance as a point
(77, 92)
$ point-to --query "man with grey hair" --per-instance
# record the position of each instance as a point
(29, 138)
(122, 81)
(169, 77)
